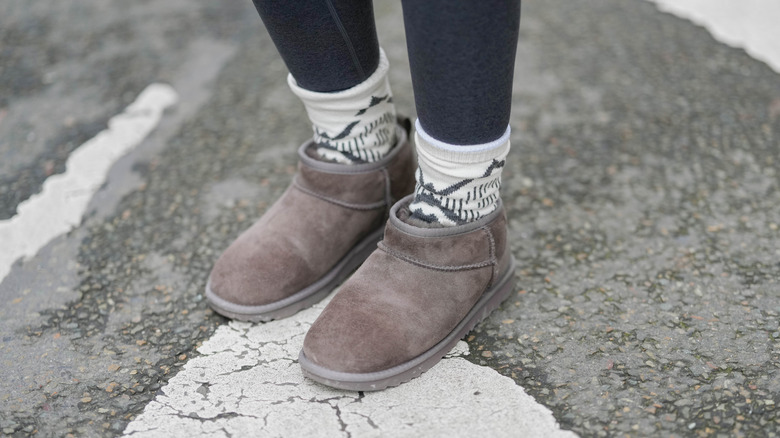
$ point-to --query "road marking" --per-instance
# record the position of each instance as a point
(64, 197)
(247, 383)
(752, 25)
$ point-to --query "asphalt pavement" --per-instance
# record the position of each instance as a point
(641, 189)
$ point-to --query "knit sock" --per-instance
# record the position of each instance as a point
(356, 125)
(456, 184)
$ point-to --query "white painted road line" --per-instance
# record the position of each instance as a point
(64, 198)
(753, 25)
(246, 383)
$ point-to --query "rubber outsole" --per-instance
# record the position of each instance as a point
(406, 371)
(304, 298)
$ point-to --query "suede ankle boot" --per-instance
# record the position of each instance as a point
(420, 292)
(325, 224)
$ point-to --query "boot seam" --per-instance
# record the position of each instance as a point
(493, 256)
(447, 268)
(388, 190)
(361, 207)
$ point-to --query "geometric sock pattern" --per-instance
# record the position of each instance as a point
(356, 125)
(457, 184)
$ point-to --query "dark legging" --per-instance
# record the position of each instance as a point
(461, 54)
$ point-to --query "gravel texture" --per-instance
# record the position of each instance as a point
(641, 190)
(643, 195)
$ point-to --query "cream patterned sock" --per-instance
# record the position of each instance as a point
(356, 125)
(457, 184)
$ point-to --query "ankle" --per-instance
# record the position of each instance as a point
(457, 184)
(356, 125)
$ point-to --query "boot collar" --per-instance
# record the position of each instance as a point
(440, 231)
(306, 149)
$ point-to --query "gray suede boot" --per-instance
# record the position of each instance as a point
(410, 302)
(322, 228)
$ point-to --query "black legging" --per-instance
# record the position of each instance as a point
(461, 54)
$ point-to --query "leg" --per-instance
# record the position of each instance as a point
(330, 218)
(338, 71)
(328, 45)
(444, 263)
(462, 58)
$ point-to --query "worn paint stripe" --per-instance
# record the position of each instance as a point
(64, 197)
(748, 24)
(246, 382)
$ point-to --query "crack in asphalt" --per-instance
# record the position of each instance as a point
(277, 395)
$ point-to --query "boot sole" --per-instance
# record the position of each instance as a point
(304, 298)
(408, 370)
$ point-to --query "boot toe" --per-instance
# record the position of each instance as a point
(355, 342)
(258, 276)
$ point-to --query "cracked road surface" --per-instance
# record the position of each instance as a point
(247, 382)
(642, 193)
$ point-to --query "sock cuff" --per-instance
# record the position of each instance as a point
(462, 154)
(359, 90)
